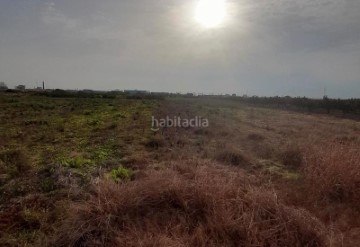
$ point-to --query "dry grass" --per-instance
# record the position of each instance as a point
(292, 157)
(333, 172)
(233, 157)
(187, 205)
(14, 162)
(155, 142)
(202, 203)
(256, 137)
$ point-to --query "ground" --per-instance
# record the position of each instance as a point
(91, 172)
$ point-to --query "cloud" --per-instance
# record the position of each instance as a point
(306, 25)
(52, 16)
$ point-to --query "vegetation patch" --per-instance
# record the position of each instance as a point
(121, 174)
(233, 157)
(333, 173)
(171, 209)
(155, 142)
(292, 158)
(279, 170)
(14, 162)
(256, 137)
(75, 162)
(101, 154)
(31, 217)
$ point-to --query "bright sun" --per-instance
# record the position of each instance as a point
(210, 13)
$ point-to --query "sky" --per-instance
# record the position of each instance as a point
(262, 47)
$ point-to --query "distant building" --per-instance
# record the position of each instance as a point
(20, 87)
(233, 95)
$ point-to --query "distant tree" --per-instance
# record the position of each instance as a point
(3, 86)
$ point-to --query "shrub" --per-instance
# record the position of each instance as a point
(31, 218)
(47, 185)
(121, 173)
(155, 142)
(292, 158)
(199, 207)
(255, 137)
(233, 157)
(333, 172)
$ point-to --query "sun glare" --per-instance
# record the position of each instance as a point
(210, 13)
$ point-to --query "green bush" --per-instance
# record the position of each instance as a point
(121, 174)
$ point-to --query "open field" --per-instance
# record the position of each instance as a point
(90, 172)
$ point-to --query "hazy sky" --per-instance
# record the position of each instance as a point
(264, 47)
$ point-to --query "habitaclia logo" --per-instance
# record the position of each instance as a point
(178, 122)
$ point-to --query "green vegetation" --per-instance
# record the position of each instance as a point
(53, 146)
(77, 162)
(121, 174)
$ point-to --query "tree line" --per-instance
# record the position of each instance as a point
(324, 105)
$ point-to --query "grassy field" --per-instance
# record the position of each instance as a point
(90, 172)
